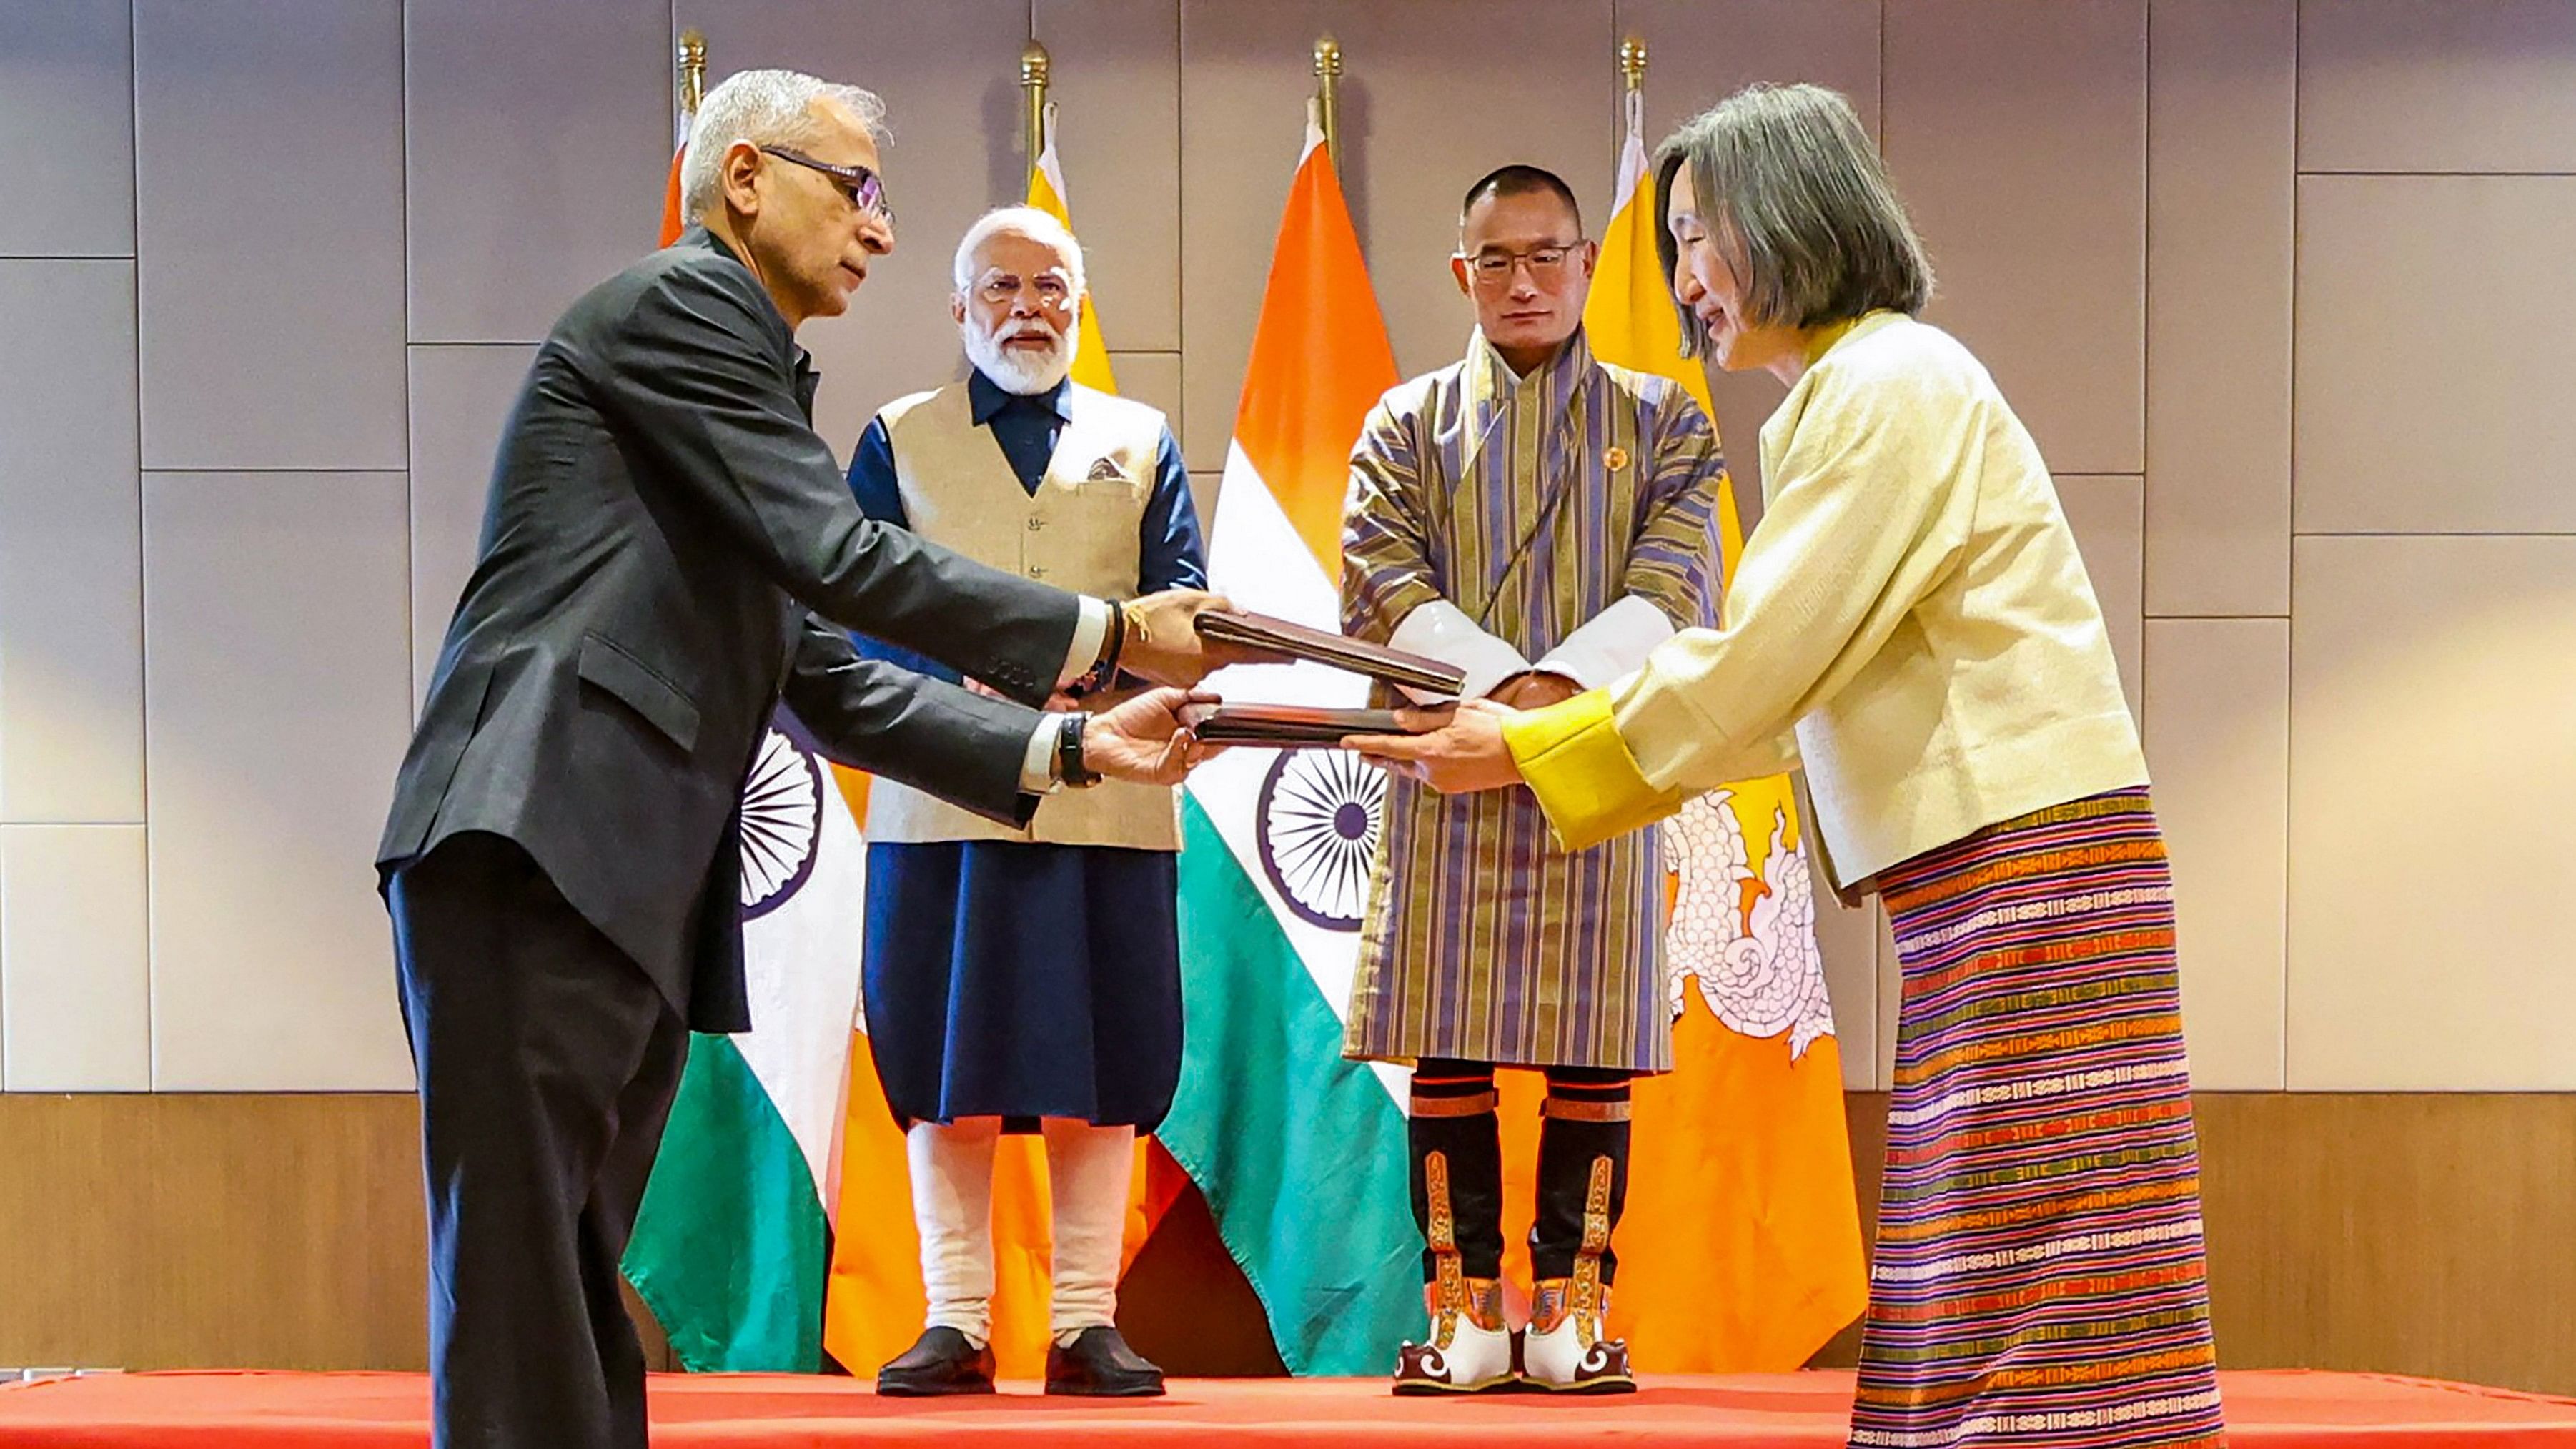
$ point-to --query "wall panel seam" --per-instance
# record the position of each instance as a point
(2146, 304)
(2540, 175)
(1882, 78)
(402, 112)
(1181, 248)
(142, 575)
(2289, 644)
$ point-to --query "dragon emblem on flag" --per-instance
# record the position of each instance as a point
(1747, 939)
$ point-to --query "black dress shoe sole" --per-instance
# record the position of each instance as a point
(932, 1389)
(1140, 1389)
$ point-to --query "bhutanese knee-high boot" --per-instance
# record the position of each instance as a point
(1458, 1203)
(1582, 1185)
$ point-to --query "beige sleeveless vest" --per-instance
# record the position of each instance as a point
(1078, 532)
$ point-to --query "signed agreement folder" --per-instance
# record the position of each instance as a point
(1286, 726)
(1296, 641)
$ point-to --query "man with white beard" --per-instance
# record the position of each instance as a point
(1026, 980)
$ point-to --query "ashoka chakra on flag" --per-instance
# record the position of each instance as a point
(1319, 813)
(782, 817)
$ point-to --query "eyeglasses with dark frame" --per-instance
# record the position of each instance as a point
(862, 187)
(1494, 266)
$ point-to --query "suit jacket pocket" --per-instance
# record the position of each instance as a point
(635, 684)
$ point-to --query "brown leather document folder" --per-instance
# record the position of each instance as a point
(1296, 641)
(1285, 726)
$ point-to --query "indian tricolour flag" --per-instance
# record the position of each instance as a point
(1300, 1154)
(734, 1236)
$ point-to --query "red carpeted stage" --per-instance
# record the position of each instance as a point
(1790, 1411)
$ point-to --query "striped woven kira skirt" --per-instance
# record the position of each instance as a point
(2039, 1278)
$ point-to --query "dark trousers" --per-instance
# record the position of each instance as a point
(547, 1063)
(1584, 1120)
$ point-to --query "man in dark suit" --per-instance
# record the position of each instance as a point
(562, 860)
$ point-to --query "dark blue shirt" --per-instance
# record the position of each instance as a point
(1169, 554)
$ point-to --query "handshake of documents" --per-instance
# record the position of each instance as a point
(1288, 726)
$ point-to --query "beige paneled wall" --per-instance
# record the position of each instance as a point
(2431, 905)
(1117, 87)
(74, 973)
(2222, 82)
(278, 701)
(524, 128)
(2277, 287)
(2222, 90)
(71, 582)
(2019, 136)
(268, 176)
(2432, 893)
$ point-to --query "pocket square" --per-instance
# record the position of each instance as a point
(1105, 471)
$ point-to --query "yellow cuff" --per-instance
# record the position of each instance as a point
(1582, 773)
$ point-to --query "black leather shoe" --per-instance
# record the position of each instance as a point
(1101, 1364)
(941, 1361)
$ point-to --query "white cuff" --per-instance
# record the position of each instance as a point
(1612, 644)
(1037, 764)
(1441, 630)
(1088, 631)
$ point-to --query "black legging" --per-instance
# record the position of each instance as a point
(1585, 1119)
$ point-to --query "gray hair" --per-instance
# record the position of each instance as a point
(1791, 186)
(1020, 221)
(765, 108)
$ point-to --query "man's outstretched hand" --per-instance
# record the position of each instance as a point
(1144, 739)
(1163, 642)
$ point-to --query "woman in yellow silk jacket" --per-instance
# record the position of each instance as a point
(1911, 623)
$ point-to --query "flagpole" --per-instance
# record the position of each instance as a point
(1328, 95)
(690, 65)
(1632, 118)
(1033, 85)
(688, 88)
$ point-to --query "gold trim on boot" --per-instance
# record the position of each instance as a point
(1565, 1350)
(1470, 1347)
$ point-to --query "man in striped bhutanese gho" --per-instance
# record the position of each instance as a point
(1540, 519)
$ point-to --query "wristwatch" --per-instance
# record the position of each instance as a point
(1070, 771)
(1103, 672)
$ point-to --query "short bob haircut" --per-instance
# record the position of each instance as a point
(1794, 192)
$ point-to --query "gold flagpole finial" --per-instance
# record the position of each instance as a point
(1632, 62)
(691, 62)
(1033, 84)
(1328, 92)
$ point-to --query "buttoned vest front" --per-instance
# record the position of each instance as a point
(1078, 531)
